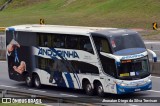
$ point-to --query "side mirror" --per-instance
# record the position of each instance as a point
(154, 56)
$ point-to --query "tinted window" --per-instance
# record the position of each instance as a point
(51, 40)
(108, 64)
(85, 44)
(42, 40)
(59, 41)
(78, 42)
(102, 44)
(126, 41)
(72, 42)
(44, 63)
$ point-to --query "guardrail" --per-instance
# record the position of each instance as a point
(155, 67)
(5, 5)
(45, 97)
(2, 46)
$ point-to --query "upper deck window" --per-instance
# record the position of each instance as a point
(122, 42)
(66, 41)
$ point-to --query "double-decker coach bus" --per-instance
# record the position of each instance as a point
(101, 60)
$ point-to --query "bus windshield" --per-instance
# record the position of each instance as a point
(122, 42)
(137, 68)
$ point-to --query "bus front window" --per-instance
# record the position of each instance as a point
(137, 68)
(122, 43)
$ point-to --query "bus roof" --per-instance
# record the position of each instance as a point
(62, 29)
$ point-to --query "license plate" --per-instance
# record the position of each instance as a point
(137, 89)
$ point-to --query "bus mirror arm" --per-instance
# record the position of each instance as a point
(154, 56)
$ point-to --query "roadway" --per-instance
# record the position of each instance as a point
(6, 83)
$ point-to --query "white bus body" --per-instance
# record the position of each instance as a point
(102, 60)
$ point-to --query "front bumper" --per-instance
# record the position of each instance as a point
(132, 89)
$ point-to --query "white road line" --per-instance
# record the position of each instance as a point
(155, 77)
(8, 86)
(154, 91)
(156, 50)
(133, 105)
(36, 90)
(69, 95)
(44, 104)
(2, 61)
(151, 42)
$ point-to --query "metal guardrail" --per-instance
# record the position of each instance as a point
(2, 46)
(5, 5)
(53, 99)
(155, 68)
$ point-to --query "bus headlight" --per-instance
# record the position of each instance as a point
(122, 84)
(149, 80)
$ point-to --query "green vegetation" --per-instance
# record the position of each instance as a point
(108, 13)
(2, 2)
(14, 104)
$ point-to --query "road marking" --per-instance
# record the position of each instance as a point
(2, 61)
(155, 77)
(69, 95)
(151, 42)
(8, 86)
(36, 90)
(44, 104)
(156, 50)
(154, 91)
(133, 105)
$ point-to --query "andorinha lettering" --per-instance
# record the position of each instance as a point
(133, 56)
(51, 53)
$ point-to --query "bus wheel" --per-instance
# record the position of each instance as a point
(99, 90)
(88, 88)
(37, 82)
(28, 80)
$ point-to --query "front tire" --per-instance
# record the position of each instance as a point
(37, 82)
(88, 88)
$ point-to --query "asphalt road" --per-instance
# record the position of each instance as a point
(6, 83)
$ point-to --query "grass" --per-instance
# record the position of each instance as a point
(105, 13)
(15, 104)
(2, 2)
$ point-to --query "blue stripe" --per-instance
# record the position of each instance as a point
(11, 29)
(65, 61)
(69, 80)
(68, 64)
(129, 51)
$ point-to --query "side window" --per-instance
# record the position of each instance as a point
(85, 44)
(51, 40)
(41, 40)
(108, 64)
(102, 44)
(58, 41)
(45, 64)
(72, 42)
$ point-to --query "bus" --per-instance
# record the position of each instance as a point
(95, 59)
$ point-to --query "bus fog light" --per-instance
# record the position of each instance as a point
(121, 90)
(150, 86)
